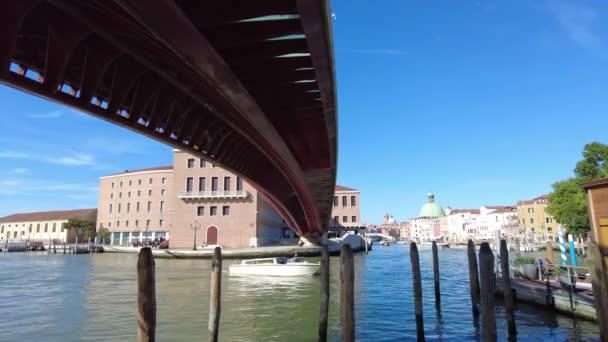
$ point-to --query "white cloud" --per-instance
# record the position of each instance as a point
(49, 115)
(33, 186)
(21, 170)
(76, 159)
(577, 21)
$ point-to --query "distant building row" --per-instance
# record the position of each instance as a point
(528, 221)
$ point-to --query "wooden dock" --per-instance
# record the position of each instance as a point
(552, 296)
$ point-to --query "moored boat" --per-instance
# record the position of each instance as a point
(280, 266)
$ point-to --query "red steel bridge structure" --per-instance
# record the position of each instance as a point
(249, 85)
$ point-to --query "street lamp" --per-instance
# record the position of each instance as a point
(195, 226)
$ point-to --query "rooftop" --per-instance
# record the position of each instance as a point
(343, 188)
(48, 215)
(157, 168)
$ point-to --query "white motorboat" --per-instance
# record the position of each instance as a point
(281, 266)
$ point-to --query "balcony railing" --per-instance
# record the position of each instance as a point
(212, 194)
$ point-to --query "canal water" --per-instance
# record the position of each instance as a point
(93, 298)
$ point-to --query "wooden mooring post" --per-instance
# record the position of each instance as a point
(488, 289)
(473, 278)
(347, 293)
(324, 294)
(417, 284)
(436, 274)
(146, 296)
(550, 251)
(506, 287)
(215, 295)
(517, 247)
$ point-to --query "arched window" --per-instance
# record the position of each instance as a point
(46, 227)
(54, 227)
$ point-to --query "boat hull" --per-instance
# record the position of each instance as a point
(287, 270)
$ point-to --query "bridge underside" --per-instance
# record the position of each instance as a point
(249, 85)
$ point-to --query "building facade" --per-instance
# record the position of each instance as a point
(346, 211)
(194, 203)
(43, 226)
(535, 223)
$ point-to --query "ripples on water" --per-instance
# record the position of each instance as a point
(93, 298)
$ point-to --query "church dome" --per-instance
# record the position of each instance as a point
(431, 208)
(392, 220)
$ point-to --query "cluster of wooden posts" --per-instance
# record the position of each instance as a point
(146, 295)
(483, 285)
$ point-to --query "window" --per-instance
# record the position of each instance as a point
(337, 218)
(150, 181)
(138, 193)
(200, 211)
(128, 207)
(344, 218)
(190, 163)
(189, 181)
(353, 219)
(335, 201)
(531, 220)
(149, 206)
(126, 223)
(549, 220)
(213, 183)
(162, 206)
(226, 183)
(137, 207)
(119, 207)
(120, 195)
(162, 192)
(117, 223)
(2, 229)
(496, 218)
(160, 222)
(30, 228)
(63, 227)
(136, 223)
(549, 229)
(129, 194)
(163, 180)
(147, 223)
(203, 164)
(530, 210)
(121, 184)
(353, 201)
(201, 184)
(54, 229)
(112, 184)
(38, 228)
(110, 208)
(344, 201)
(149, 192)
(130, 183)
(139, 182)
(225, 210)
(212, 210)
(109, 224)
(239, 184)
(46, 227)
(112, 196)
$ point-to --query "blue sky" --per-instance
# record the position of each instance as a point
(481, 102)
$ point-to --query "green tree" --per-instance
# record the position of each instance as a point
(104, 234)
(567, 202)
(80, 226)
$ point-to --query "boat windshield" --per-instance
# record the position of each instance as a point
(281, 260)
(296, 260)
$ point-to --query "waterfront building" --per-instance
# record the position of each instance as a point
(43, 226)
(462, 224)
(492, 219)
(534, 222)
(346, 210)
(193, 195)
